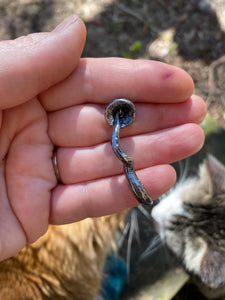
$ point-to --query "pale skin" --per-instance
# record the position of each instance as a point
(50, 97)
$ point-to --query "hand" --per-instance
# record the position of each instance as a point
(50, 97)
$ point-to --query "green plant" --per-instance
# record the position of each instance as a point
(133, 50)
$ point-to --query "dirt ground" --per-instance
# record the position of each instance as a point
(189, 34)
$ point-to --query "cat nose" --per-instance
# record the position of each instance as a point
(119, 114)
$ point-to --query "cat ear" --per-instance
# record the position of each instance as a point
(216, 172)
(212, 269)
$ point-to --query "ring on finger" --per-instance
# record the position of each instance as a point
(55, 166)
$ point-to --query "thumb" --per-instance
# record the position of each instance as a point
(31, 64)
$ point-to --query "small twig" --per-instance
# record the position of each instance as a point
(130, 12)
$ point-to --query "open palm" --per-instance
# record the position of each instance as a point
(50, 98)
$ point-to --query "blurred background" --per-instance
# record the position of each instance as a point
(189, 34)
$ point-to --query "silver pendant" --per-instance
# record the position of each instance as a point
(119, 114)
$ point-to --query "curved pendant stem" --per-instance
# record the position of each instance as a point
(136, 186)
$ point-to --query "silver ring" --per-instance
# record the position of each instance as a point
(55, 166)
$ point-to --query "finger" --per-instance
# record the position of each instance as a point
(101, 80)
(12, 237)
(33, 63)
(65, 125)
(162, 147)
(29, 171)
(76, 202)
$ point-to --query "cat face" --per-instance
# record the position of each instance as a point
(191, 221)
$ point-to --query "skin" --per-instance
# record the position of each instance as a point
(50, 97)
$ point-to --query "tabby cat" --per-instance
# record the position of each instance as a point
(191, 222)
(66, 263)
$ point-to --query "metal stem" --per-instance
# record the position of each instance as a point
(135, 184)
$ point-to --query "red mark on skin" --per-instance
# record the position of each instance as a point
(167, 75)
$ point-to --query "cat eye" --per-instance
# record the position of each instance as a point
(119, 114)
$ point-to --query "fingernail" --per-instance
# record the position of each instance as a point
(66, 23)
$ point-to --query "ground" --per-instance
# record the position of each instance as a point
(189, 34)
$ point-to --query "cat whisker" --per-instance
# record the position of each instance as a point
(123, 234)
(153, 246)
(144, 211)
(183, 169)
(133, 232)
(134, 220)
